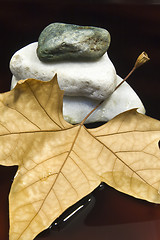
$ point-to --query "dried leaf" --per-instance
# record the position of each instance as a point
(58, 163)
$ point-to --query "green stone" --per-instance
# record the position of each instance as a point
(60, 41)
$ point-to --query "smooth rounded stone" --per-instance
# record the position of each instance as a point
(60, 41)
(75, 109)
(96, 80)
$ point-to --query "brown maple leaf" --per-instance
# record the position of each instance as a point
(59, 163)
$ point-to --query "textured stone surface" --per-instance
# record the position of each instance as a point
(124, 98)
(86, 81)
(95, 80)
(59, 41)
(76, 108)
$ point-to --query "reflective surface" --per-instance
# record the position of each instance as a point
(112, 216)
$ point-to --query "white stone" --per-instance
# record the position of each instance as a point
(75, 108)
(96, 79)
(85, 85)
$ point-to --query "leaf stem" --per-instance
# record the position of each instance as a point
(83, 121)
(133, 69)
(142, 58)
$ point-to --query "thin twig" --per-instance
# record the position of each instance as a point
(143, 58)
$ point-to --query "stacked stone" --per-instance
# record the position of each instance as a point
(78, 55)
(59, 42)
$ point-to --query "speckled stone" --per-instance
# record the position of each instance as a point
(60, 41)
(95, 79)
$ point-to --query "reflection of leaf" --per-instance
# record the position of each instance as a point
(60, 163)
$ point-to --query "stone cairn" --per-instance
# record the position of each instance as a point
(78, 55)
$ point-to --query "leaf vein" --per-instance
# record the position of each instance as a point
(80, 169)
(69, 183)
(38, 180)
(14, 109)
(138, 151)
(37, 164)
(42, 106)
(125, 132)
(38, 131)
(4, 126)
(121, 160)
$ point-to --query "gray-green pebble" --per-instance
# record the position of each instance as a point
(60, 41)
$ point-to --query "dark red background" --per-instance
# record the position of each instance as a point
(134, 28)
